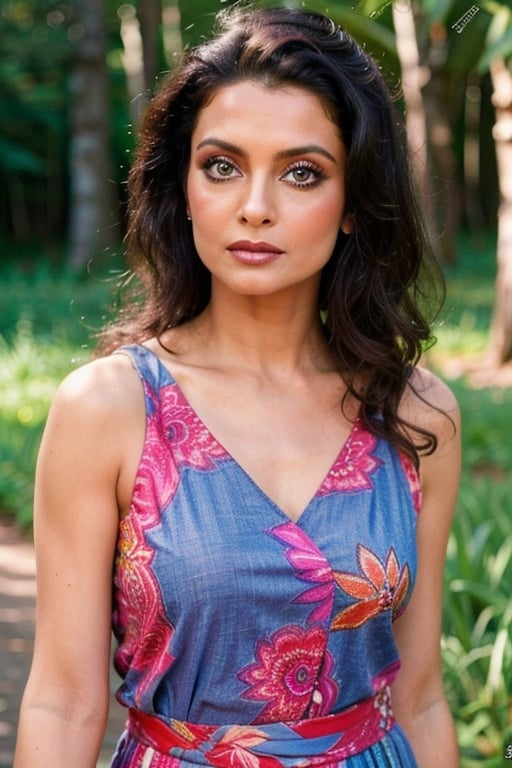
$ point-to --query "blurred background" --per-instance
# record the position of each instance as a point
(75, 77)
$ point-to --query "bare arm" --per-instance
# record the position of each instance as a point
(81, 462)
(418, 695)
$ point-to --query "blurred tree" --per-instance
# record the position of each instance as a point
(435, 63)
(133, 60)
(38, 40)
(500, 346)
(498, 56)
(144, 55)
(449, 42)
(33, 127)
(51, 48)
(414, 76)
(93, 216)
(150, 15)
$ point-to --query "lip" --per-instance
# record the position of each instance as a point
(249, 252)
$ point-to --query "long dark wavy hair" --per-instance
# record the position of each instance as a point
(373, 298)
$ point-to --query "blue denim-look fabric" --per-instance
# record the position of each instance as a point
(226, 611)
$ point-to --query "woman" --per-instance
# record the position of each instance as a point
(263, 458)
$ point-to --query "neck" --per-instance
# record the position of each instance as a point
(267, 334)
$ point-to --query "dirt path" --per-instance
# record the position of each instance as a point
(17, 610)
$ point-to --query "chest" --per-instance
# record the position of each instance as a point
(237, 578)
(223, 551)
(285, 441)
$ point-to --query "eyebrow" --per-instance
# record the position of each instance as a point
(282, 155)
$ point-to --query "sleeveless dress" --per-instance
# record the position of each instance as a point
(246, 639)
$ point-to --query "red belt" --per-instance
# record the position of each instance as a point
(320, 740)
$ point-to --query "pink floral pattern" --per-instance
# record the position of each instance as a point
(174, 434)
(386, 676)
(158, 477)
(310, 565)
(139, 609)
(191, 441)
(354, 466)
(413, 478)
(291, 674)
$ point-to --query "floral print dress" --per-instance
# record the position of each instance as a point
(246, 639)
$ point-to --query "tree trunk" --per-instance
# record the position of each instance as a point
(133, 62)
(150, 15)
(143, 59)
(443, 97)
(500, 343)
(414, 76)
(93, 216)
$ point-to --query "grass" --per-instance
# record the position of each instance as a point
(47, 323)
(48, 320)
(477, 615)
(477, 648)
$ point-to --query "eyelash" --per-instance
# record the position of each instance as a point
(211, 162)
(304, 165)
(317, 174)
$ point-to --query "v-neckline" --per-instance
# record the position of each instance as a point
(270, 501)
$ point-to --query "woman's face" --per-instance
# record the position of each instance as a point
(265, 188)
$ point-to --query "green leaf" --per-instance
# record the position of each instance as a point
(377, 37)
(482, 592)
(15, 158)
(499, 36)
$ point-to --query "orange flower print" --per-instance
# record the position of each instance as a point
(382, 587)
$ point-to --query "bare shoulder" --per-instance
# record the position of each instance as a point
(430, 404)
(433, 389)
(100, 387)
(96, 428)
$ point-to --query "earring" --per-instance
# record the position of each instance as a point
(189, 218)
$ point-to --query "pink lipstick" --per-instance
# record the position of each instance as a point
(249, 252)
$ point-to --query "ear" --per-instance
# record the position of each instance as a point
(347, 224)
(187, 205)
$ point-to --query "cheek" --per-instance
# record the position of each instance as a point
(323, 219)
(206, 208)
(208, 221)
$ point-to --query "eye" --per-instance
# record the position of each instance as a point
(220, 168)
(303, 174)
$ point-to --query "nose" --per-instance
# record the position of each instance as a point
(257, 206)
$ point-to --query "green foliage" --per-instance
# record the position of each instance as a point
(38, 40)
(37, 43)
(48, 321)
(29, 372)
(33, 123)
(61, 307)
(197, 19)
(477, 617)
(477, 644)
(463, 324)
(499, 37)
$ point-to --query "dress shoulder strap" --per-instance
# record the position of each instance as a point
(150, 368)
